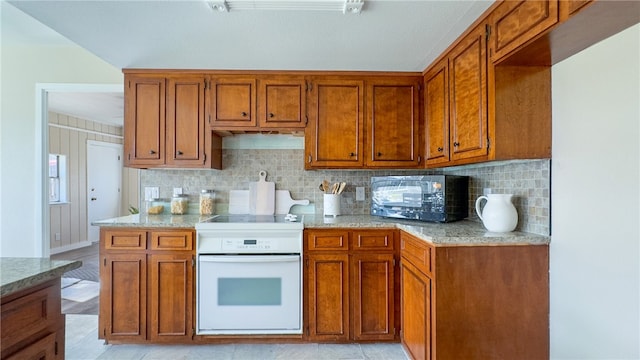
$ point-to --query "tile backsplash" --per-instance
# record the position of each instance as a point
(527, 180)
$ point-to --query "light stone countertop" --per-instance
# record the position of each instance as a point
(162, 220)
(459, 233)
(21, 273)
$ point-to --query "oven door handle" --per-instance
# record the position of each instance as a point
(249, 258)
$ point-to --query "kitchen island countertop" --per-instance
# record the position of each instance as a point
(459, 233)
(17, 274)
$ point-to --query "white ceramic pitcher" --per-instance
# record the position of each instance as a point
(498, 214)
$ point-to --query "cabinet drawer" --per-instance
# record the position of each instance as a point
(373, 240)
(417, 252)
(324, 240)
(30, 314)
(125, 240)
(171, 240)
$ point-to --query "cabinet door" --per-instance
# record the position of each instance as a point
(185, 121)
(232, 102)
(123, 297)
(334, 137)
(171, 297)
(328, 297)
(372, 281)
(468, 96)
(416, 312)
(282, 103)
(436, 113)
(516, 22)
(393, 113)
(144, 121)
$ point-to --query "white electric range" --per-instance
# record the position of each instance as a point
(249, 275)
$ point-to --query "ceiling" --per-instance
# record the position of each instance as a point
(389, 35)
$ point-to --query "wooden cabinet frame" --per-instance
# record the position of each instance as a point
(147, 275)
(350, 285)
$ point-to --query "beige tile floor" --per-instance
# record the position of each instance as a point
(82, 344)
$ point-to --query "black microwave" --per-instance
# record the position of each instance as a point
(435, 198)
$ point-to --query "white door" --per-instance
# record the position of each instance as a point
(104, 179)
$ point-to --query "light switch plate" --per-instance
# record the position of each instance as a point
(177, 191)
(486, 191)
(359, 193)
(151, 192)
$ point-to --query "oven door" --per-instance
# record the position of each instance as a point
(249, 294)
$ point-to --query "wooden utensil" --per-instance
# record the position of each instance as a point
(341, 187)
(325, 186)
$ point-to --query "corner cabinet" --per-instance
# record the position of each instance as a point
(474, 302)
(349, 285)
(164, 123)
(335, 135)
(147, 286)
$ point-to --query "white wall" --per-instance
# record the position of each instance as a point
(595, 216)
(23, 67)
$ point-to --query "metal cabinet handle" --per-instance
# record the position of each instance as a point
(456, 144)
(179, 152)
(352, 154)
(309, 158)
(440, 149)
(378, 154)
(243, 113)
(152, 152)
(93, 199)
(271, 115)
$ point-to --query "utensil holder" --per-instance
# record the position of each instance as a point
(331, 205)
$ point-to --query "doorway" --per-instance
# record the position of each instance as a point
(42, 215)
(104, 183)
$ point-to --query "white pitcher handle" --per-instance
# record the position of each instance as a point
(478, 206)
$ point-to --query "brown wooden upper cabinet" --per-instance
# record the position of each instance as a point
(186, 132)
(468, 96)
(164, 123)
(456, 103)
(282, 103)
(514, 23)
(393, 120)
(144, 125)
(232, 102)
(568, 8)
(335, 134)
(255, 103)
(436, 113)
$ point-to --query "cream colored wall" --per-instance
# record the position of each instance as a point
(24, 68)
(68, 136)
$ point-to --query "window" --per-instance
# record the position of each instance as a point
(57, 178)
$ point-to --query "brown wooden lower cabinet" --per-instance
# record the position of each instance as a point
(328, 297)
(32, 325)
(349, 285)
(146, 293)
(475, 302)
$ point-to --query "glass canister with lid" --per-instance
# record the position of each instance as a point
(179, 204)
(207, 202)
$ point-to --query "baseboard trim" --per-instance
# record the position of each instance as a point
(70, 247)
